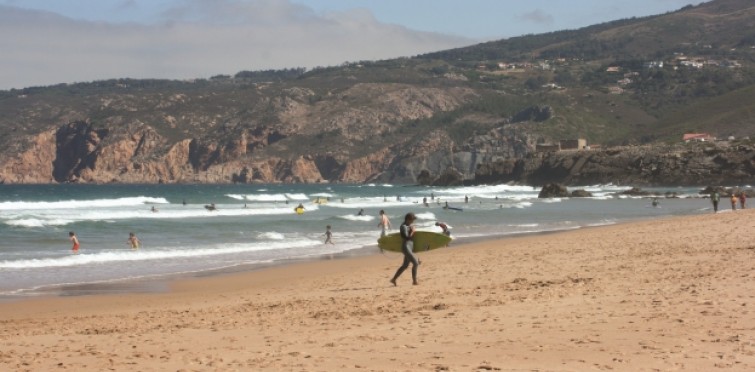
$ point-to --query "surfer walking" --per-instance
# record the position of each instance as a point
(407, 234)
(384, 224)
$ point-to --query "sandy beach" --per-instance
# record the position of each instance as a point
(660, 295)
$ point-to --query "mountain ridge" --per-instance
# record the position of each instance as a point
(409, 120)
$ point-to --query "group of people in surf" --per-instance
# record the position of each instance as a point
(132, 241)
(735, 197)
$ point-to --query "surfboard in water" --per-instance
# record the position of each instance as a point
(423, 241)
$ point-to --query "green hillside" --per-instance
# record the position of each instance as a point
(604, 83)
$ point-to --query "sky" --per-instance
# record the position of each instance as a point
(47, 42)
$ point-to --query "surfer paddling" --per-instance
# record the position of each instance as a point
(407, 234)
(75, 240)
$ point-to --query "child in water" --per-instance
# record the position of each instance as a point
(328, 236)
(72, 237)
(133, 241)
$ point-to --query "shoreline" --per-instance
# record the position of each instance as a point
(673, 293)
(162, 283)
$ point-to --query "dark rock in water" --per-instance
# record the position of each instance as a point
(553, 190)
(636, 191)
(581, 194)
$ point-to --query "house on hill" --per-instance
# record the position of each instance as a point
(700, 137)
(573, 144)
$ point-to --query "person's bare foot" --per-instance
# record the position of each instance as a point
(394, 282)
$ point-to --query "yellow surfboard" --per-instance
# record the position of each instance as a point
(423, 241)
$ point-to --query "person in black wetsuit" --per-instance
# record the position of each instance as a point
(407, 234)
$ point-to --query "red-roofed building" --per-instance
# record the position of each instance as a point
(702, 137)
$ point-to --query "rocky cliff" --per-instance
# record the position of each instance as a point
(81, 151)
(720, 163)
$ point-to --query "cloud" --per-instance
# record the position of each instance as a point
(537, 16)
(200, 38)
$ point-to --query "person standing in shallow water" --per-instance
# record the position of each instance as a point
(133, 241)
(385, 223)
(75, 241)
(407, 247)
(734, 201)
(328, 236)
(714, 198)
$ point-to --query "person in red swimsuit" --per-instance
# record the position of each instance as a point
(72, 237)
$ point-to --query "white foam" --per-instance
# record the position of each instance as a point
(353, 217)
(322, 195)
(72, 204)
(35, 222)
(425, 216)
(271, 235)
(296, 196)
(64, 217)
(144, 254)
(262, 197)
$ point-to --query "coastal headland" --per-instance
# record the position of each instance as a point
(666, 294)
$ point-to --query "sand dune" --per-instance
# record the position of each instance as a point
(663, 295)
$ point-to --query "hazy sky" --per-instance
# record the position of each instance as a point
(46, 42)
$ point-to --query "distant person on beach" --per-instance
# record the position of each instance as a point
(75, 241)
(734, 201)
(210, 207)
(714, 198)
(407, 247)
(328, 236)
(466, 199)
(742, 200)
(154, 210)
(655, 202)
(134, 241)
(445, 206)
(183, 202)
(385, 223)
(361, 212)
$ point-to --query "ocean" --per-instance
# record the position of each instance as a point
(255, 225)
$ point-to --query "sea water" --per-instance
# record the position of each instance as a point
(256, 225)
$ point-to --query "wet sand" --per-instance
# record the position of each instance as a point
(661, 295)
